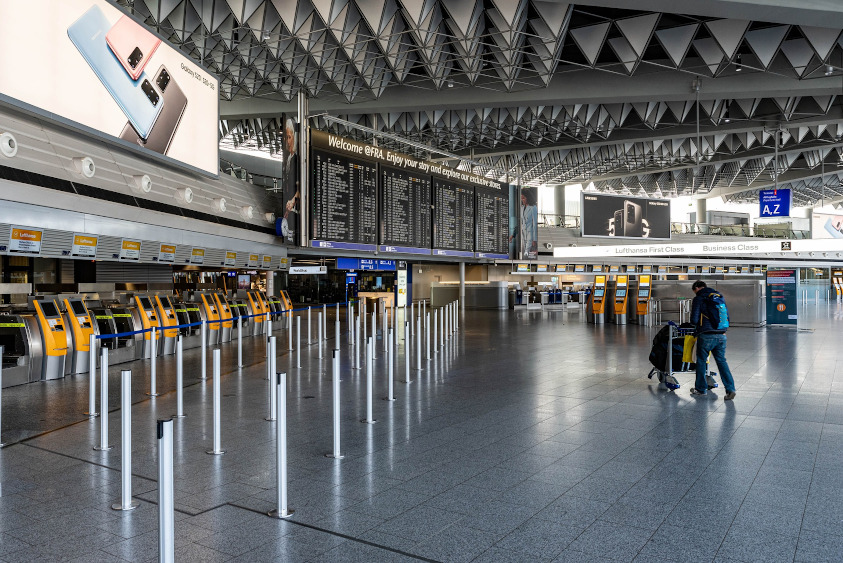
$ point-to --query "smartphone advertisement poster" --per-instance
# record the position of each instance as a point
(826, 225)
(606, 215)
(87, 62)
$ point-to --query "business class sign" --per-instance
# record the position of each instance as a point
(827, 248)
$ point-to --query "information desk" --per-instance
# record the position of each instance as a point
(388, 296)
(22, 349)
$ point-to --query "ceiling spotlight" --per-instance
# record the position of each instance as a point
(265, 36)
(829, 70)
(450, 83)
(738, 63)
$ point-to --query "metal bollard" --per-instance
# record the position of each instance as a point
(435, 330)
(350, 322)
(290, 333)
(126, 501)
(418, 344)
(268, 325)
(412, 316)
(442, 328)
(335, 362)
(374, 332)
(406, 351)
(357, 344)
(319, 318)
(427, 334)
(337, 331)
(270, 365)
(217, 415)
(203, 336)
(369, 383)
(92, 377)
(308, 326)
(1, 397)
(166, 496)
(103, 402)
(239, 341)
(179, 378)
(325, 321)
(298, 341)
(281, 451)
(390, 358)
(363, 323)
(153, 379)
(384, 324)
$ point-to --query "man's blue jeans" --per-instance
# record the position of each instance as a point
(716, 344)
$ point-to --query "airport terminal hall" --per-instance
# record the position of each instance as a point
(444, 281)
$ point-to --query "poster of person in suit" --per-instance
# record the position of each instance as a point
(287, 225)
(529, 222)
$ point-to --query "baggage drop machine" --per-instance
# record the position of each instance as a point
(22, 349)
(209, 313)
(596, 312)
(148, 319)
(53, 339)
(80, 328)
(224, 312)
(168, 318)
(239, 307)
(256, 308)
(115, 321)
(189, 313)
(620, 300)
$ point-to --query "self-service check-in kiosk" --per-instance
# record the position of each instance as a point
(167, 318)
(189, 313)
(286, 303)
(53, 339)
(148, 319)
(597, 303)
(209, 315)
(837, 281)
(22, 349)
(620, 299)
(80, 329)
(224, 312)
(640, 306)
(256, 308)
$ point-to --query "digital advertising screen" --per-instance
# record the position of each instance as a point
(625, 216)
(87, 63)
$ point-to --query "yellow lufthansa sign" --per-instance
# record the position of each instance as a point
(84, 245)
(25, 241)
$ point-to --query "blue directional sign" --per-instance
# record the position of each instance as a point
(365, 264)
(775, 203)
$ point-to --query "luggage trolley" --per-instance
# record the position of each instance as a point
(672, 338)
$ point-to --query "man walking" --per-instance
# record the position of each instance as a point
(707, 314)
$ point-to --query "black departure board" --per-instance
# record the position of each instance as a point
(453, 217)
(344, 195)
(492, 218)
(405, 209)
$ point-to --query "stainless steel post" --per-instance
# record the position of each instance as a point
(418, 344)
(239, 340)
(390, 358)
(92, 377)
(350, 322)
(308, 326)
(282, 511)
(325, 321)
(298, 341)
(442, 327)
(217, 415)
(383, 327)
(357, 344)
(290, 333)
(268, 326)
(374, 332)
(335, 363)
(179, 378)
(435, 330)
(270, 367)
(369, 383)
(126, 502)
(153, 379)
(406, 351)
(427, 333)
(412, 316)
(103, 402)
(337, 330)
(1, 396)
(203, 336)
(166, 496)
(319, 332)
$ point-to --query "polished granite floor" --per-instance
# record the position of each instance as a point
(530, 437)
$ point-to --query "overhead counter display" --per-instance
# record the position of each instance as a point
(405, 211)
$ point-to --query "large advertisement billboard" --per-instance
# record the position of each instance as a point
(826, 225)
(88, 63)
(624, 216)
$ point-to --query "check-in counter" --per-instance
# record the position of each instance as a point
(80, 328)
(22, 349)
(286, 303)
(209, 313)
(53, 339)
(148, 319)
(241, 307)
(224, 312)
(189, 313)
(167, 318)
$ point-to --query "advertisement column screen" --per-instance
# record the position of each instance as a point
(622, 216)
(87, 63)
(782, 297)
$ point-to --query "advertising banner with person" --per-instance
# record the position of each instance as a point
(528, 221)
(606, 215)
(287, 221)
(86, 63)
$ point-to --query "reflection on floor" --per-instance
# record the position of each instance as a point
(530, 437)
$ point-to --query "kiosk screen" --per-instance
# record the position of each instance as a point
(78, 308)
(144, 301)
(49, 309)
(620, 293)
(643, 293)
(598, 293)
(169, 303)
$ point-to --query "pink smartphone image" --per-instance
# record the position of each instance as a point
(132, 44)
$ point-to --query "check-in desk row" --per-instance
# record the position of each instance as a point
(50, 343)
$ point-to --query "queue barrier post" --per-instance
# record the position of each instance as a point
(126, 501)
(335, 380)
(203, 336)
(270, 366)
(103, 447)
(217, 415)
(369, 383)
(92, 377)
(166, 496)
(179, 378)
(153, 378)
(406, 351)
(282, 510)
(390, 358)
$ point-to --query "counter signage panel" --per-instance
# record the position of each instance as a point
(405, 211)
(453, 218)
(253, 261)
(230, 259)
(579, 268)
(84, 246)
(541, 268)
(25, 241)
(130, 250)
(197, 256)
(492, 217)
(521, 268)
(344, 200)
(266, 261)
(167, 253)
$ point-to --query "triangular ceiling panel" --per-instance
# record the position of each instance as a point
(590, 39)
(765, 43)
(676, 41)
(728, 34)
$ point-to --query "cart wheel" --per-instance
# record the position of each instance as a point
(672, 386)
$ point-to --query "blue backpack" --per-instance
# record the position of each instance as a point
(716, 311)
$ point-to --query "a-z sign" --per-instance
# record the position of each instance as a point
(774, 203)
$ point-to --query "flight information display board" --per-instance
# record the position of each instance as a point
(492, 218)
(344, 196)
(404, 211)
(453, 219)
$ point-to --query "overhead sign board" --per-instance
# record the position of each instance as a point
(253, 261)
(774, 203)
(197, 256)
(302, 270)
(167, 253)
(130, 250)
(230, 259)
(84, 246)
(25, 241)
(771, 247)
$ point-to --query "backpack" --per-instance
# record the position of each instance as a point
(716, 311)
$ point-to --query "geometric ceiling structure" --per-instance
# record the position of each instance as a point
(540, 90)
